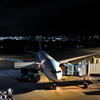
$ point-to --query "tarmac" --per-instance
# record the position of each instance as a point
(68, 88)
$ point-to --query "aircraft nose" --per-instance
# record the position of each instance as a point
(58, 76)
(58, 73)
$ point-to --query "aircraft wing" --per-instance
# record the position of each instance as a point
(21, 64)
(28, 65)
(9, 59)
(75, 58)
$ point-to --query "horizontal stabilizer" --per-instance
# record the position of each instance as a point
(25, 65)
(31, 52)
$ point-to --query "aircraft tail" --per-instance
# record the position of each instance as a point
(39, 43)
(39, 47)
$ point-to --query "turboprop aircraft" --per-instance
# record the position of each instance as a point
(50, 67)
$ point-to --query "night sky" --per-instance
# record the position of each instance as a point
(32, 17)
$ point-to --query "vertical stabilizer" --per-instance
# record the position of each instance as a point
(40, 43)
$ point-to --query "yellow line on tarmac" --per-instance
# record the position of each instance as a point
(56, 93)
(54, 89)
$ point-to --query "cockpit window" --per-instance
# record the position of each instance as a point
(54, 71)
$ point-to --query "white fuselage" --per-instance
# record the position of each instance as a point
(50, 66)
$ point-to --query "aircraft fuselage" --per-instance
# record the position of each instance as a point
(50, 66)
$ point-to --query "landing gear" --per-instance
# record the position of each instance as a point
(53, 86)
(86, 83)
(32, 78)
(37, 77)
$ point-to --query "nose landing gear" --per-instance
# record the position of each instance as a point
(53, 86)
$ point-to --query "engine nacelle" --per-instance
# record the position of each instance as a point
(62, 66)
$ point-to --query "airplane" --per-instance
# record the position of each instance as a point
(50, 67)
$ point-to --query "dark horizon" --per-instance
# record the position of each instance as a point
(62, 17)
